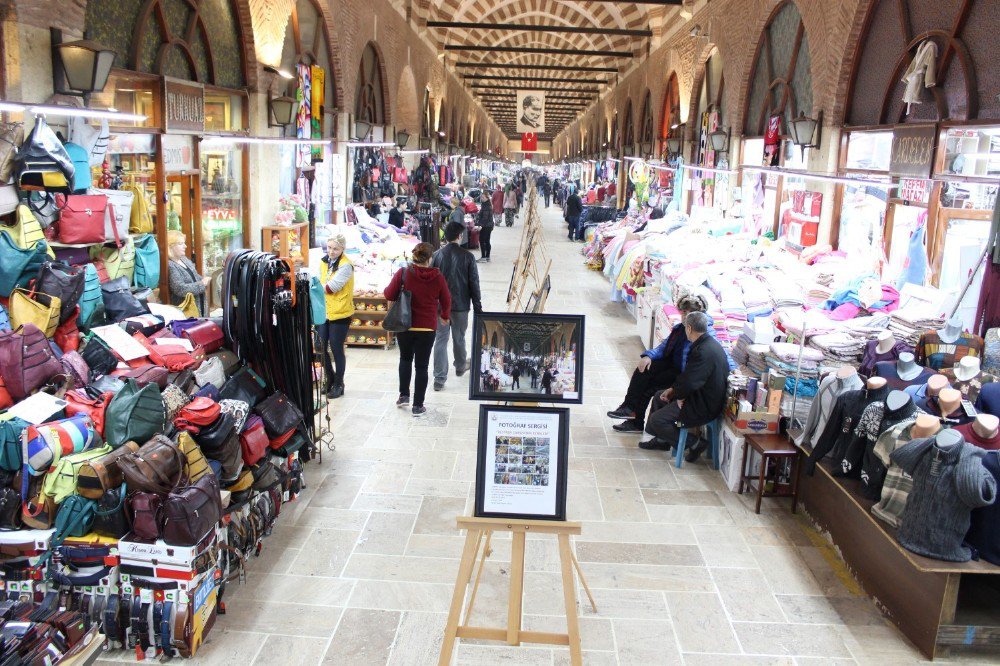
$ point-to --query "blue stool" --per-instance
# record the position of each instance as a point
(713, 437)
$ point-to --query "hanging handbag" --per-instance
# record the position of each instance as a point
(266, 475)
(206, 334)
(26, 361)
(82, 219)
(39, 309)
(109, 518)
(42, 162)
(147, 261)
(11, 138)
(190, 512)
(174, 400)
(197, 464)
(78, 401)
(253, 441)
(120, 211)
(67, 335)
(197, 414)
(75, 368)
(119, 303)
(140, 221)
(157, 467)
(134, 414)
(143, 511)
(26, 231)
(119, 261)
(91, 300)
(96, 477)
(98, 356)
(279, 414)
(189, 306)
(19, 266)
(210, 372)
(317, 301)
(39, 512)
(245, 385)
(67, 282)
(399, 317)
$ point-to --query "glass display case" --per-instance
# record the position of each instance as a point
(221, 205)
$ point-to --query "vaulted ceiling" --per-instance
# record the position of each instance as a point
(570, 48)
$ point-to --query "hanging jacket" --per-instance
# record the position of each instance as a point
(915, 264)
(839, 430)
(921, 70)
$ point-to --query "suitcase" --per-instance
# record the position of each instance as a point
(473, 243)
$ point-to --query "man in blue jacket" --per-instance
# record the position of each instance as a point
(659, 367)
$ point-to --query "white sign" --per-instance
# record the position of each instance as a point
(531, 111)
(338, 189)
(178, 152)
(914, 190)
(521, 463)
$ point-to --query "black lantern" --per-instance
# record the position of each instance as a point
(806, 131)
(361, 129)
(282, 111)
(83, 66)
(402, 138)
(719, 140)
(675, 142)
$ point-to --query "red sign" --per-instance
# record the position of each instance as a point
(914, 190)
(529, 142)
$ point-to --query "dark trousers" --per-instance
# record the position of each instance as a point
(663, 420)
(331, 335)
(484, 241)
(548, 199)
(643, 385)
(573, 221)
(414, 352)
(515, 381)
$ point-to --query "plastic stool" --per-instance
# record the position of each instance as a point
(713, 429)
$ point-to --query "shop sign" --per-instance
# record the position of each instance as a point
(183, 106)
(912, 151)
(178, 153)
(914, 190)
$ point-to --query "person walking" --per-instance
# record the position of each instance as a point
(458, 266)
(546, 191)
(533, 373)
(485, 222)
(547, 381)
(515, 376)
(430, 304)
(336, 273)
(497, 202)
(574, 208)
(510, 205)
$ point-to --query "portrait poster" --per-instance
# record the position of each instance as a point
(772, 141)
(521, 462)
(530, 111)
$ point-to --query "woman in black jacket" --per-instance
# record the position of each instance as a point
(484, 223)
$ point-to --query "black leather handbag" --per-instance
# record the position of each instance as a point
(10, 509)
(110, 519)
(119, 303)
(220, 441)
(98, 356)
(56, 278)
(42, 162)
(245, 385)
(279, 414)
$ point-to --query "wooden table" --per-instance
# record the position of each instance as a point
(770, 447)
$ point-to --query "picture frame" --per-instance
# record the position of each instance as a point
(527, 357)
(534, 441)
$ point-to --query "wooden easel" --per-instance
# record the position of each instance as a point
(479, 534)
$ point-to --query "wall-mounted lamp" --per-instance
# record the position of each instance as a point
(720, 140)
(806, 132)
(282, 111)
(647, 148)
(79, 68)
(675, 142)
(424, 143)
(362, 129)
(402, 138)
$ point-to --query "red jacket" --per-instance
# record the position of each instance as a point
(429, 295)
(497, 201)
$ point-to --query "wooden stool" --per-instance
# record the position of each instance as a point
(770, 447)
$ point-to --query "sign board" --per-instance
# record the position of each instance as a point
(178, 152)
(912, 151)
(914, 190)
(183, 106)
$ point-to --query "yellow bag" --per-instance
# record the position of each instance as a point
(42, 311)
(27, 231)
(197, 465)
(140, 222)
(189, 306)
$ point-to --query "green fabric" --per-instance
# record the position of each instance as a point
(134, 414)
(60, 482)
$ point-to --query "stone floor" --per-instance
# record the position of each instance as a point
(360, 570)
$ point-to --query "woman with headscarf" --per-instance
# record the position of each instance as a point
(510, 204)
(182, 275)
(336, 272)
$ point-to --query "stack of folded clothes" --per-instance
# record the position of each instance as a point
(907, 324)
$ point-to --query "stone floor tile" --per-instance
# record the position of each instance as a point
(614, 473)
(649, 642)
(364, 637)
(415, 645)
(388, 477)
(623, 504)
(475, 655)
(406, 568)
(401, 596)
(700, 622)
(337, 491)
(595, 632)
(340, 519)
(701, 659)
(278, 617)
(300, 589)
(647, 577)
(291, 650)
(638, 532)
(638, 553)
(386, 533)
(792, 640)
(376, 502)
(325, 552)
(224, 646)
(747, 596)
(681, 497)
(437, 516)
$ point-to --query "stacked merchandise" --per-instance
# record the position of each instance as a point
(45, 633)
(907, 324)
(375, 249)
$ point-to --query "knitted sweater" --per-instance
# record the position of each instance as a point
(872, 356)
(947, 485)
(969, 388)
(887, 370)
(897, 484)
(860, 460)
(972, 437)
(984, 523)
(839, 430)
(831, 388)
(934, 352)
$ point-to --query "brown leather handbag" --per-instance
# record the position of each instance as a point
(99, 476)
(190, 512)
(157, 467)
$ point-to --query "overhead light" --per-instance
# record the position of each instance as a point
(675, 142)
(402, 138)
(719, 140)
(805, 131)
(282, 111)
(221, 139)
(85, 65)
(414, 151)
(71, 111)
(283, 73)
(370, 144)
(362, 129)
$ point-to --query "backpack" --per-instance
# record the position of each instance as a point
(81, 164)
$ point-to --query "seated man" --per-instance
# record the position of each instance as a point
(658, 368)
(697, 396)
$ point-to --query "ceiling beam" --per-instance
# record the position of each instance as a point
(553, 68)
(558, 98)
(539, 50)
(484, 77)
(491, 86)
(528, 27)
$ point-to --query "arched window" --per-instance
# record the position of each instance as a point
(369, 104)
(781, 82)
(628, 128)
(670, 115)
(646, 121)
(711, 109)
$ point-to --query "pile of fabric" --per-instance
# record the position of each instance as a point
(908, 323)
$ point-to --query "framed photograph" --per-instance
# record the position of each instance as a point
(527, 357)
(521, 463)
(531, 108)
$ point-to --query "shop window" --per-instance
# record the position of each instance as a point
(221, 204)
(223, 112)
(129, 93)
(869, 151)
(972, 151)
(905, 221)
(964, 241)
(862, 224)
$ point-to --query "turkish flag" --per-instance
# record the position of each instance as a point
(529, 142)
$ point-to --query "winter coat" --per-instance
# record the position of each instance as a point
(702, 385)
(429, 295)
(458, 266)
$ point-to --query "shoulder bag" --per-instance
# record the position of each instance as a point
(140, 222)
(174, 358)
(67, 335)
(119, 302)
(197, 414)
(210, 372)
(44, 444)
(279, 414)
(174, 400)
(190, 512)
(63, 281)
(42, 162)
(36, 308)
(157, 467)
(27, 231)
(61, 481)
(79, 401)
(19, 266)
(109, 519)
(103, 474)
(206, 334)
(82, 219)
(238, 409)
(147, 324)
(253, 441)
(118, 261)
(147, 262)
(197, 464)
(219, 441)
(26, 361)
(134, 414)
(120, 205)
(75, 367)
(245, 385)
(10, 443)
(146, 374)
(91, 300)
(98, 356)
(399, 317)
(10, 510)
(143, 513)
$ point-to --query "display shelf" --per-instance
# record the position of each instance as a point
(284, 235)
(370, 315)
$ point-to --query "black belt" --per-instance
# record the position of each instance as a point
(112, 628)
(157, 622)
(133, 622)
(166, 620)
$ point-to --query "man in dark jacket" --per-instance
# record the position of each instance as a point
(574, 208)
(697, 397)
(458, 266)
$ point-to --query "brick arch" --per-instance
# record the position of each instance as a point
(856, 19)
(383, 80)
(408, 102)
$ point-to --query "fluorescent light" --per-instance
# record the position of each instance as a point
(692, 167)
(279, 141)
(285, 74)
(422, 151)
(820, 177)
(371, 144)
(70, 111)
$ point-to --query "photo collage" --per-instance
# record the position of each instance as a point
(522, 461)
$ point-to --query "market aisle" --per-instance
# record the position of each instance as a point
(360, 571)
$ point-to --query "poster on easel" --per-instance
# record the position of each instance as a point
(522, 462)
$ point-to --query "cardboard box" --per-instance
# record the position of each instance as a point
(774, 401)
(161, 553)
(752, 422)
(730, 455)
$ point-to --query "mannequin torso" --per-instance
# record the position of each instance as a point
(885, 342)
(925, 426)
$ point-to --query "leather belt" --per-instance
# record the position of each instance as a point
(132, 635)
(166, 622)
(111, 626)
(157, 622)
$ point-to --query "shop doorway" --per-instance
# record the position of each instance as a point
(184, 213)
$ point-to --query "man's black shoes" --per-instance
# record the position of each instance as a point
(629, 425)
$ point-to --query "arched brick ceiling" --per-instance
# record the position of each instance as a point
(555, 13)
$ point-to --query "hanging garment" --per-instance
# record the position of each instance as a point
(915, 264)
(921, 70)
(933, 352)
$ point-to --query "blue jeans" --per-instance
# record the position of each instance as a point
(574, 223)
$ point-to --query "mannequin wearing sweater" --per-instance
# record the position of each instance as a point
(832, 387)
(949, 480)
(983, 431)
(897, 484)
(946, 405)
(861, 460)
(933, 386)
(904, 372)
(883, 348)
(839, 430)
(984, 535)
(968, 377)
(947, 346)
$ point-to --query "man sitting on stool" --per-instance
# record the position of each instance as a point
(697, 397)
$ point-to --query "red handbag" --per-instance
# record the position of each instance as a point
(207, 334)
(5, 400)
(67, 335)
(146, 374)
(81, 218)
(78, 402)
(281, 440)
(399, 176)
(253, 440)
(172, 357)
(197, 414)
